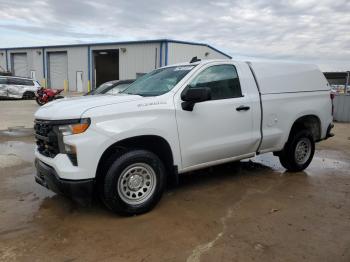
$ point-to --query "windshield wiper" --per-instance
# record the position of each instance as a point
(131, 94)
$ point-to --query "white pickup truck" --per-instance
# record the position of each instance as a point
(177, 119)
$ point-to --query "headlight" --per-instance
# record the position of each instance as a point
(73, 127)
(66, 128)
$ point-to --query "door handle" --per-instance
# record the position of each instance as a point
(243, 108)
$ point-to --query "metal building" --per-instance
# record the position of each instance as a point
(340, 83)
(80, 67)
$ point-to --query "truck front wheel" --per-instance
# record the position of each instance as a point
(134, 183)
(298, 152)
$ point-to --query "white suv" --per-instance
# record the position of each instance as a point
(18, 87)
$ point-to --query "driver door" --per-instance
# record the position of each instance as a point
(14, 87)
(216, 130)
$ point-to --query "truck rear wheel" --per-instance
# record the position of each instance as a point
(134, 183)
(298, 151)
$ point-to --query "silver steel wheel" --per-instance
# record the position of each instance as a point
(137, 183)
(302, 151)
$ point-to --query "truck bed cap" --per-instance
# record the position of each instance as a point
(274, 78)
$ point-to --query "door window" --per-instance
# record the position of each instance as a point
(14, 81)
(18, 81)
(221, 79)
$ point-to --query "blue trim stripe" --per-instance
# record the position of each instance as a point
(166, 53)
(89, 63)
(161, 54)
(123, 43)
(47, 75)
(155, 58)
(7, 61)
(44, 70)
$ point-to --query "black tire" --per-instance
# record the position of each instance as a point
(111, 191)
(288, 156)
(40, 103)
(28, 95)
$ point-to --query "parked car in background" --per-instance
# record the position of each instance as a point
(111, 87)
(18, 87)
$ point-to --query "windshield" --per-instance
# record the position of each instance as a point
(158, 82)
(102, 88)
(117, 89)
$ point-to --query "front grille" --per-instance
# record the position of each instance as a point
(46, 138)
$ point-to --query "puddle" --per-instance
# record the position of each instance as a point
(21, 199)
(322, 162)
(17, 132)
(331, 159)
(15, 151)
(322, 159)
(9, 161)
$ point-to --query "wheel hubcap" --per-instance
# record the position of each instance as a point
(136, 183)
(303, 151)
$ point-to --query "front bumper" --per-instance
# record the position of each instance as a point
(80, 191)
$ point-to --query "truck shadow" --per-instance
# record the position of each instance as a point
(220, 173)
(230, 174)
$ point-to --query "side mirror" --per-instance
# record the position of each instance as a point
(191, 96)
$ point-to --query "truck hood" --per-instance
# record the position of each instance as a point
(74, 107)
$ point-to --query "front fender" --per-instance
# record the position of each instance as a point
(123, 122)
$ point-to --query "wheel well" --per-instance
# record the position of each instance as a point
(308, 122)
(155, 144)
(31, 93)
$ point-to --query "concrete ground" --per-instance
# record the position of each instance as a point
(20, 113)
(17, 113)
(247, 211)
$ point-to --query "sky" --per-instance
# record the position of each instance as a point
(307, 31)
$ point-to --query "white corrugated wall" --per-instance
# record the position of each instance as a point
(77, 60)
(178, 53)
(35, 62)
(133, 58)
(342, 108)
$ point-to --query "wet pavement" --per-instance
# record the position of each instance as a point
(17, 113)
(247, 211)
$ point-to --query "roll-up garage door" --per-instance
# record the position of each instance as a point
(58, 69)
(20, 64)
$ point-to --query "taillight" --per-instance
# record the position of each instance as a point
(332, 95)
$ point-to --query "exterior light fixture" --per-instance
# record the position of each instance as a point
(123, 49)
(38, 52)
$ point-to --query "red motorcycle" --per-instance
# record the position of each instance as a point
(45, 95)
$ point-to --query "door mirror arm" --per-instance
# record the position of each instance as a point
(191, 96)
